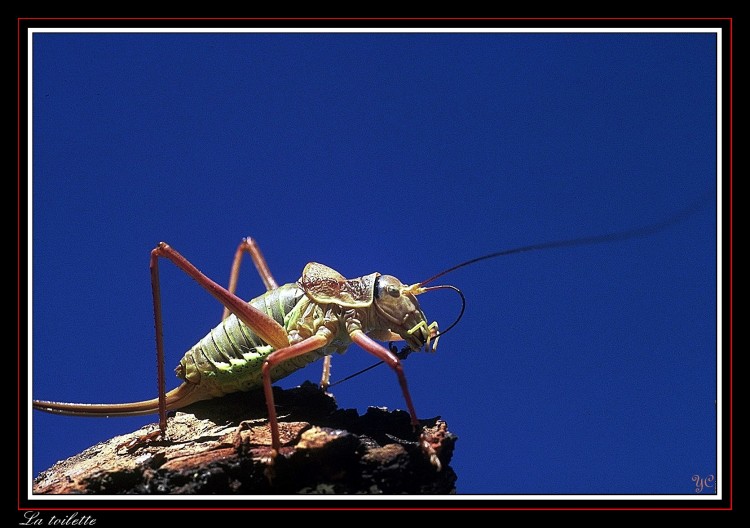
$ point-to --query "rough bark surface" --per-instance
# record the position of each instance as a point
(221, 446)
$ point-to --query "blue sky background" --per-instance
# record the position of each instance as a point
(586, 370)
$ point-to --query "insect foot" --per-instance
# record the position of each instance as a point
(132, 444)
(253, 440)
(431, 441)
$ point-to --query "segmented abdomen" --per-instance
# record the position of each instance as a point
(229, 358)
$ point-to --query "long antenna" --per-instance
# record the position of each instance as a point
(637, 232)
(585, 241)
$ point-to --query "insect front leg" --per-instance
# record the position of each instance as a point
(390, 359)
(267, 328)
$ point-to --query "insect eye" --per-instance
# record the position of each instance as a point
(387, 286)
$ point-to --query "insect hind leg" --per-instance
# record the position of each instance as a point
(263, 325)
(250, 246)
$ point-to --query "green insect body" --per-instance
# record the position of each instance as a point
(322, 307)
(229, 358)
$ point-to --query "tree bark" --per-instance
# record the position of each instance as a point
(221, 446)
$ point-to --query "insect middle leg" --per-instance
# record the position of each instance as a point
(249, 246)
(319, 340)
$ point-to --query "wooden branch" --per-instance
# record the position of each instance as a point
(325, 450)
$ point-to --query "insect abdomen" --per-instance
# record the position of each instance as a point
(229, 358)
